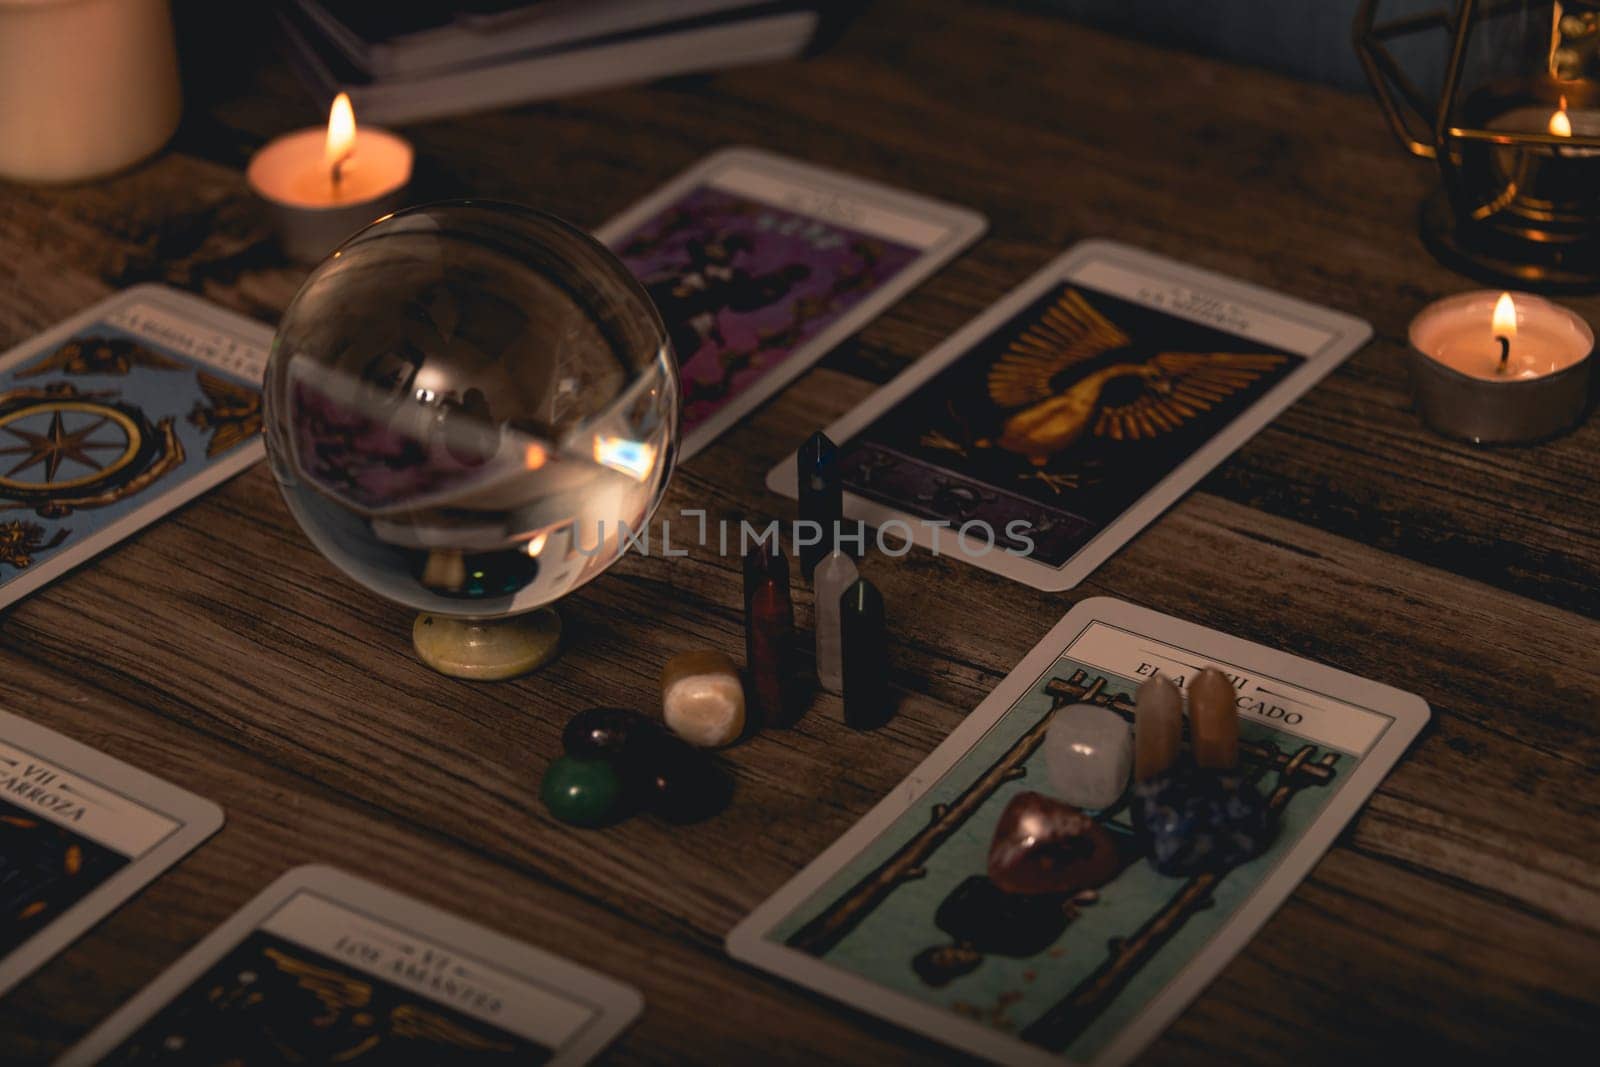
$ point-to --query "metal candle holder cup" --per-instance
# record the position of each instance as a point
(308, 234)
(1489, 411)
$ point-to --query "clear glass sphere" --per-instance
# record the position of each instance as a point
(469, 406)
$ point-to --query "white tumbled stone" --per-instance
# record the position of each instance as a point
(1089, 753)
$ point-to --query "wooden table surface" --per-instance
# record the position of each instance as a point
(1460, 910)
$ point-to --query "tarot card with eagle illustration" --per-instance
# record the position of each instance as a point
(323, 967)
(80, 832)
(759, 265)
(1050, 430)
(116, 417)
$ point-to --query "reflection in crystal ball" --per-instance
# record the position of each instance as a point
(470, 406)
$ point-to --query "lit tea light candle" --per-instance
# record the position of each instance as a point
(1498, 368)
(324, 184)
(1549, 171)
(1561, 125)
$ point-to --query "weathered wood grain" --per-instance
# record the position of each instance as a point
(278, 810)
(1460, 913)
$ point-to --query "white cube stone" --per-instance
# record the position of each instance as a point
(1089, 753)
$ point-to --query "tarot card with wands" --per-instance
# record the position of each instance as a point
(759, 265)
(326, 968)
(116, 417)
(1050, 430)
(899, 917)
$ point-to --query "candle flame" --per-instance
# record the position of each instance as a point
(1505, 316)
(341, 132)
(1560, 124)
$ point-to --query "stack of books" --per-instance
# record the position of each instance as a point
(429, 58)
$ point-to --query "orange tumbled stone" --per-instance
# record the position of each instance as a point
(1157, 727)
(1213, 720)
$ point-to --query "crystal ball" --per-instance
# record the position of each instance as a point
(469, 408)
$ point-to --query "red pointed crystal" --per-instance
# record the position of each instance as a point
(769, 637)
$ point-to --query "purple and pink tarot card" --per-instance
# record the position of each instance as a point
(760, 265)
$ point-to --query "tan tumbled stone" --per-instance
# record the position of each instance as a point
(702, 699)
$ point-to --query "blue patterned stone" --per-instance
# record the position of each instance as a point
(1196, 819)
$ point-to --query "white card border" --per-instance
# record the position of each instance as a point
(964, 225)
(197, 819)
(164, 501)
(746, 942)
(618, 1004)
(1349, 334)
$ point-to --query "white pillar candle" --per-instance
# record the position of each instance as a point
(87, 87)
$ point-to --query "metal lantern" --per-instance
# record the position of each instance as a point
(1508, 104)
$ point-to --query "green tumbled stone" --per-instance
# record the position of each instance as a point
(584, 792)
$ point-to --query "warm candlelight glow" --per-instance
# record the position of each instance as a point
(325, 182)
(1505, 317)
(341, 133)
(533, 456)
(1560, 123)
(1523, 379)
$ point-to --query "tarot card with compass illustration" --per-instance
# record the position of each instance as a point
(1046, 433)
(116, 417)
(326, 968)
(759, 265)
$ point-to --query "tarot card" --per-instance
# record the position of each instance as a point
(323, 967)
(114, 418)
(899, 918)
(1047, 432)
(80, 833)
(759, 265)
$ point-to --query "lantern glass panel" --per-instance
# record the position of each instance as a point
(1526, 72)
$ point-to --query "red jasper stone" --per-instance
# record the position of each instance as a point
(1044, 846)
